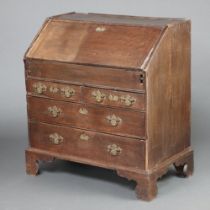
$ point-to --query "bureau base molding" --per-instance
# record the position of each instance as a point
(146, 180)
(146, 188)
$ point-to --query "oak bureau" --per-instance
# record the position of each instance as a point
(111, 91)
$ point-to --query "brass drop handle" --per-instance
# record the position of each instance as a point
(39, 88)
(68, 92)
(54, 111)
(98, 95)
(84, 137)
(114, 150)
(113, 120)
(128, 100)
(56, 138)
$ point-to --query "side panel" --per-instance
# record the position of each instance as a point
(168, 95)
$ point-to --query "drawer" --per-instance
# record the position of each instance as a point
(109, 120)
(97, 147)
(87, 75)
(114, 98)
(60, 91)
(53, 90)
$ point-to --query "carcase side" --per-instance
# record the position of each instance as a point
(168, 95)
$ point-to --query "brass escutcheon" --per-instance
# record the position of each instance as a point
(128, 100)
(83, 111)
(99, 96)
(56, 138)
(113, 120)
(53, 89)
(113, 97)
(100, 29)
(113, 149)
(39, 87)
(54, 111)
(68, 91)
(84, 137)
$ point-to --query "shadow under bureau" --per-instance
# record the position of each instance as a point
(111, 91)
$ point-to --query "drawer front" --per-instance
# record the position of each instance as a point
(59, 91)
(114, 98)
(88, 75)
(102, 148)
(53, 90)
(116, 121)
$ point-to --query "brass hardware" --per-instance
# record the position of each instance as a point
(39, 87)
(100, 29)
(83, 111)
(128, 100)
(141, 78)
(99, 96)
(113, 149)
(54, 111)
(68, 92)
(113, 97)
(53, 89)
(56, 139)
(113, 119)
(84, 137)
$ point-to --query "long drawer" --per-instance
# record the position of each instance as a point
(123, 79)
(98, 147)
(108, 120)
(99, 96)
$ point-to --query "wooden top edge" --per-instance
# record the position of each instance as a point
(120, 19)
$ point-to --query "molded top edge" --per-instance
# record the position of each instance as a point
(120, 19)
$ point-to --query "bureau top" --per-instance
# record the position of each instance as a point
(119, 19)
(99, 39)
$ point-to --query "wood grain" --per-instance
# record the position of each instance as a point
(168, 95)
(80, 42)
